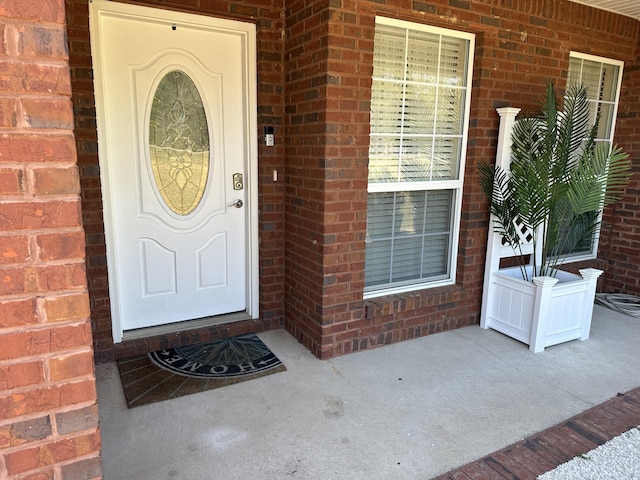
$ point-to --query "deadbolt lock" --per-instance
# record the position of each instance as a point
(238, 183)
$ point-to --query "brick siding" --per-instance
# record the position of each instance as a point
(314, 77)
(329, 65)
(314, 71)
(621, 232)
(48, 410)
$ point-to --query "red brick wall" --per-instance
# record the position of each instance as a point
(621, 232)
(305, 170)
(314, 70)
(268, 16)
(329, 54)
(48, 411)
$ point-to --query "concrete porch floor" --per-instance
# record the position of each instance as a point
(413, 410)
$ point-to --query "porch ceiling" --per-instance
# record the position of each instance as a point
(630, 8)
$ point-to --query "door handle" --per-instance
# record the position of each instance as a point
(237, 203)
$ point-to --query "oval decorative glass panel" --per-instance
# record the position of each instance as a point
(179, 142)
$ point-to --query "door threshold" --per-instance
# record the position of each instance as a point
(176, 327)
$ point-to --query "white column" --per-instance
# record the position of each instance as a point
(541, 311)
(494, 245)
(507, 121)
(590, 274)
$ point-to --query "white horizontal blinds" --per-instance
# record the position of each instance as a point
(601, 77)
(417, 105)
(409, 234)
(601, 80)
(418, 125)
(387, 104)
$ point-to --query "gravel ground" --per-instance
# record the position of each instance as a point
(617, 459)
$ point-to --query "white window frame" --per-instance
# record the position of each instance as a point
(581, 256)
(455, 185)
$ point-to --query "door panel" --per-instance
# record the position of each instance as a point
(158, 267)
(171, 92)
(213, 253)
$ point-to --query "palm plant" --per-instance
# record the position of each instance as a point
(560, 179)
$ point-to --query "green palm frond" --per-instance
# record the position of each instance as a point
(598, 179)
(560, 180)
(495, 185)
(574, 131)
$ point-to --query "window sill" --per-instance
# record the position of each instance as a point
(429, 298)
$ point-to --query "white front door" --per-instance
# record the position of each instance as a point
(176, 112)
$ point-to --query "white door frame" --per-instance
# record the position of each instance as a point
(98, 10)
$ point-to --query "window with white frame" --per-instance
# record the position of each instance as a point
(420, 101)
(602, 78)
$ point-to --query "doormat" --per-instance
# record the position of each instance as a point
(175, 372)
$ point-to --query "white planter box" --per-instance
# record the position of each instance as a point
(544, 312)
